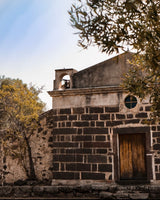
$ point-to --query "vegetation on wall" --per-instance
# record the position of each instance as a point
(20, 107)
(125, 25)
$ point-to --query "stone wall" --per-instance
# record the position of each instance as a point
(83, 140)
(107, 73)
(92, 191)
(82, 143)
(156, 148)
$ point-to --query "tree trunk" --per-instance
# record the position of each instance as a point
(32, 174)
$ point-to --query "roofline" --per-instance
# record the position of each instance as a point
(86, 91)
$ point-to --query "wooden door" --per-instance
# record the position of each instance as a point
(132, 156)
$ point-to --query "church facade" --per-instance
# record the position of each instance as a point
(101, 132)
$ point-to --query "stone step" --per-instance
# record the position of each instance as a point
(35, 198)
(81, 192)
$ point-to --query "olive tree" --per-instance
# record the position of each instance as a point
(125, 25)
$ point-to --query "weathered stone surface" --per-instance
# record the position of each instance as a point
(106, 195)
(38, 191)
(113, 188)
(154, 195)
(22, 191)
(6, 191)
(121, 195)
(66, 189)
(138, 195)
(84, 189)
(50, 190)
(99, 187)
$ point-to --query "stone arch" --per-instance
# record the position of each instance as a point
(60, 75)
(65, 81)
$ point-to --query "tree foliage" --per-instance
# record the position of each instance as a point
(20, 107)
(125, 25)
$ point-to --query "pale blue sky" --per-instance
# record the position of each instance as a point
(36, 38)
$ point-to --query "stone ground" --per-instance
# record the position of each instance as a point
(71, 190)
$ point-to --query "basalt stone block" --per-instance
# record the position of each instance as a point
(65, 111)
(148, 108)
(64, 131)
(132, 121)
(82, 138)
(94, 167)
(153, 128)
(96, 110)
(128, 130)
(95, 130)
(101, 151)
(92, 124)
(59, 118)
(100, 124)
(79, 151)
(68, 124)
(113, 123)
(64, 144)
(157, 160)
(105, 117)
(93, 176)
(105, 167)
(81, 124)
(156, 146)
(129, 116)
(100, 138)
(157, 176)
(156, 134)
(72, 117)
(89, 117)
(111, 109)
(67, 158)
(141, 115)
(78, 110)
(97, 144)
(79, 131)
(120, 116)
(78, 167)
(97, 159)
(65, 175)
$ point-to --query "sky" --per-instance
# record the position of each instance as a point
(36, 38)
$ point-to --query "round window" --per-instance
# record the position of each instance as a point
(130, 101)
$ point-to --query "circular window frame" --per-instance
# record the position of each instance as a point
(130, 102)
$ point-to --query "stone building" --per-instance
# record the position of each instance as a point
(96, 131)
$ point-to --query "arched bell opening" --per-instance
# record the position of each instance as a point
(65, 82)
